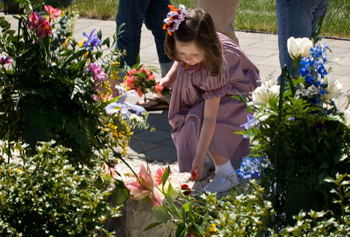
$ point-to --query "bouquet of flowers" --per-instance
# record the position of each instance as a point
(299, 128)
(142, 80)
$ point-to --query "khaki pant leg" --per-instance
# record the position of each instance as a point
(223, 13)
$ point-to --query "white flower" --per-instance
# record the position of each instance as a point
(299, 47)
(347, 117)
(263, 93)
(176, 188)
(333, 90)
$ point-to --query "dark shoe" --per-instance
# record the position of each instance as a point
(154, 103)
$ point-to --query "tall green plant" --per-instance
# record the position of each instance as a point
(58, 84)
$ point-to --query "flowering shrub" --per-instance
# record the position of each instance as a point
(301, 131)
(143, 81)
(53, 84)
(46, 195)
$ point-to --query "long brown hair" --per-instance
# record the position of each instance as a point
(198, 27)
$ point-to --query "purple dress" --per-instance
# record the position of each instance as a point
(193, 86)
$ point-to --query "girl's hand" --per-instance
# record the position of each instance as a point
(197, 168)
(165, 82)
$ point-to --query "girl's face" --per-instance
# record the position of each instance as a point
(189, 53)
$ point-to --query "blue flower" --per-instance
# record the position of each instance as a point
(250, 168)
(250, 123)
(92, 40)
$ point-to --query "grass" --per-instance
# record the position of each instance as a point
(253, 15)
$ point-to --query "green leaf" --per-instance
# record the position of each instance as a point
(107, 42)
(99, 34)
(186, 207)
(152, 225)
(170, 190)
(174, 209)
(180, 230)
(161, 213)
(120, 192)
(165, 175)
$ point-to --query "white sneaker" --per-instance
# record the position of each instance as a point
(215, 187)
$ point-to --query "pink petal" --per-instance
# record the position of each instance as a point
(155, 198)
(143, 172)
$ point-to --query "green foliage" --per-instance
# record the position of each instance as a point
(248, 212)
(44, 195)
(50, 85)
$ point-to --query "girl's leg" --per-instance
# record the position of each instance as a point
(225, 175)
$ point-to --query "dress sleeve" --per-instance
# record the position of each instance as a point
(238, 75)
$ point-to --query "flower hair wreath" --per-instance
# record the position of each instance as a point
(174, 18)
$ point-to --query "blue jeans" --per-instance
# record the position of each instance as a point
(297, 18)
(133, 13)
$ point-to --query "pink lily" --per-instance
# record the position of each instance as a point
(33, 20)
(5, 60)
(44, 29)
(53, 12)
(144, 188)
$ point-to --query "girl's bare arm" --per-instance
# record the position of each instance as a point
(169, 79)
(211, 108)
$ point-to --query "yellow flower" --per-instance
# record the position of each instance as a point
(82, 43)
(62, 14)
(211, 230)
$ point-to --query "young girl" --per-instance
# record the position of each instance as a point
(209, 68)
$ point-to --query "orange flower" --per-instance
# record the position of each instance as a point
(172, 8)
(159, 88)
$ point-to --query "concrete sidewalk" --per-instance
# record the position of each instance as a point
(262, 49)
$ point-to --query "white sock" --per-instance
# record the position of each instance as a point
(226, 169)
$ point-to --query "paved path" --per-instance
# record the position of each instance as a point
(262, 49)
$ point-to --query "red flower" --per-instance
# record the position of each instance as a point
(194, 174)
(44, 29)
(131, 72)
(159, 88)
(151, 77)
(159, 175)
(185, 187)
(138, 90)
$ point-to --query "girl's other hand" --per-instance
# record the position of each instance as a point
(197, 168)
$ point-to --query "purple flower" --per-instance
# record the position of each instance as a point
(92, 40)
(97, 71)
(5, 60)
(250, 123)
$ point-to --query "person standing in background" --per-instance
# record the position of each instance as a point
(297, 18)
(133, 13)
(223, 13)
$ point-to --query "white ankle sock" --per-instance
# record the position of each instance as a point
(226, 169)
